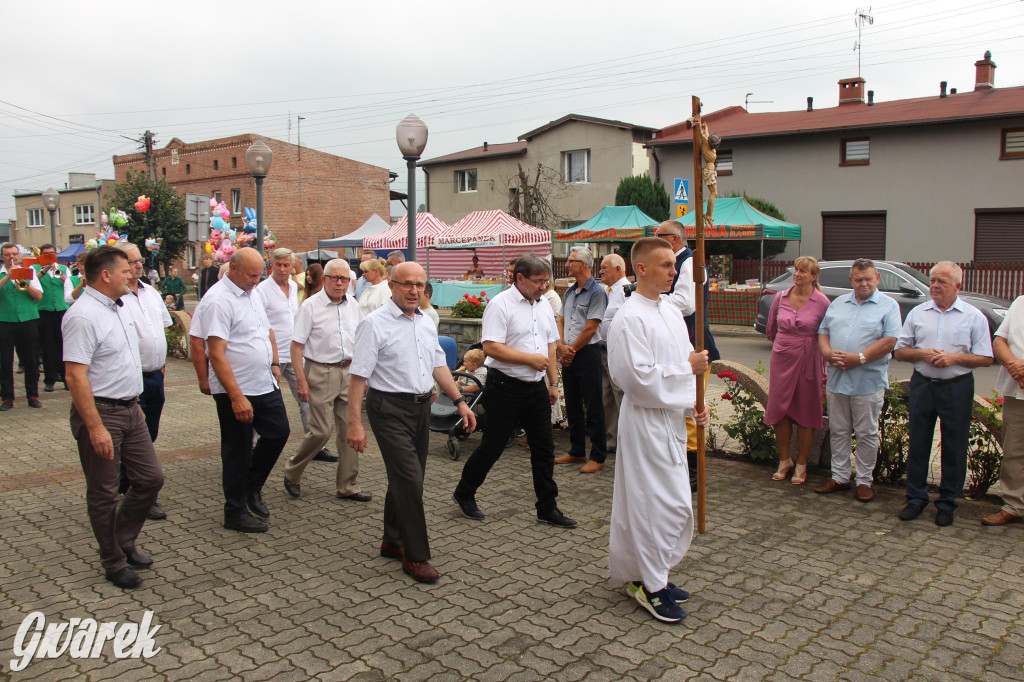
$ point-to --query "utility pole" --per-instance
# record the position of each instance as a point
(150, 157)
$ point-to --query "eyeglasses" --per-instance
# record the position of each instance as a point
(410, 285)
(667, 235)
(135, 262)
(540, 282)
(338, 278)
(572, 260)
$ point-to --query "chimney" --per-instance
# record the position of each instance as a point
(985, 72)
(942, 88)
(851, 91)
(810, 104)
(485, 146)
(871, 98)
(952, 91)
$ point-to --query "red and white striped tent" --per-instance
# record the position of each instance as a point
(494, 237)
(397, 236)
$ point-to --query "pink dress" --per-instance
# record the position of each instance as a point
(796, 366)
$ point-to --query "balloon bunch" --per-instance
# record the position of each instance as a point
(248, 235)
(222, 236)
(154, 248)
(108, 233)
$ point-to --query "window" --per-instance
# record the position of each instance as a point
(215, 164)
(724, 162)
(236, 201)
(188, 168)
(465, 180)
(835, 278)
(163, 171)
(1013, 144)
(576, 166)
(35, 217)
(190, 258)
(891, 282)
(234, 162)
(84, 215)
(174, 157)
(216, 195)
(854, 152)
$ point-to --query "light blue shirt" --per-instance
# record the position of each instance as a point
(361, 285)
(851, 327)
(962, 328)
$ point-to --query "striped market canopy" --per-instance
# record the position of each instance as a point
(492, 228)
(612, 223)
(396, 237)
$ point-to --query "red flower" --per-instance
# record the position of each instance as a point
(465, 296)
(726, 396)
(728, 376)
(483, 293)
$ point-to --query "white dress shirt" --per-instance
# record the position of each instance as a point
(961, 328)
(281, 311)
(239, 318)
(512, 320)
(682, 296)
(98, 332)
(150, 316)
(1012, 331)
(397, 353)
(616, 297)
(326, 329)
(375, 296)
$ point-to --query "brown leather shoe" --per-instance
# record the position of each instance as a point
(569, 459)
(420, 571)
(865, 493)
(1000, 518)
(391, 552)
(831, 486)
(591, 466)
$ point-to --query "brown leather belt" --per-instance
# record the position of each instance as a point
(343, 363)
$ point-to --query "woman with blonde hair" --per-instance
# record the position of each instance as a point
(378, 293)
(796, 367)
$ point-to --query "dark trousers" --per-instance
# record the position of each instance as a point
(116, 527)
(51, 340)
(246, 467)
(152, 403)
(952, 403)
(582, 382)
(511, 402)
(400, 428)
(25, 337)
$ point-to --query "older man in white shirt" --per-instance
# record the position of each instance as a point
(613, 277)
(324, 335)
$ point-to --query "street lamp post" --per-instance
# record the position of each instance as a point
(412, 139)
(50, 201)
(258, 158)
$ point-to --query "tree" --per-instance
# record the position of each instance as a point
(749, 249)
(165, 218)
(647, 195)
(533, 199)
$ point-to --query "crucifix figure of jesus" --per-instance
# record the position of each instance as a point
(709, 152)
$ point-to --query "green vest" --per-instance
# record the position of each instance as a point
(53, 290)
(15, 305)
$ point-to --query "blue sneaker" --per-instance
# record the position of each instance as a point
(680, 595)
(661, 604)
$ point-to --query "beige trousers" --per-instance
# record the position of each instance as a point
(1011, 476)
(611, 396)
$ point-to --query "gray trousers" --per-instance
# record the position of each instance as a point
(611, 396)
(288, 374)
(400, 428)
(116, 527)
(850, 415)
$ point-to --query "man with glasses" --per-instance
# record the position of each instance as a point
(55, 279)
(518, 332)
(582, 311)
(324, 335)
(399, 359)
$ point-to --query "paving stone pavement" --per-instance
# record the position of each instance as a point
(787, 584)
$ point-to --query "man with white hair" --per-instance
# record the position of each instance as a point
(578, 350)
(324, 335)
(613, 277)
(945, 338)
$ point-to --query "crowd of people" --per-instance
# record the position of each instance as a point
(622, 350)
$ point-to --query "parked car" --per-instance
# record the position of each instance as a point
(901, 282)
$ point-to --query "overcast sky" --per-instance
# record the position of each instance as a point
(84, 86)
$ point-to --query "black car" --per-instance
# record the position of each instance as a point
(899, 281)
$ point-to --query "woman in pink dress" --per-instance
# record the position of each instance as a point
(796, 367)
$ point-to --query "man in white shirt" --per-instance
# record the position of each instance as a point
(1008, 347)
(399, 359)
(613, 277)
(519, 335)
(243, 355)
(146, 308)
(324, 335)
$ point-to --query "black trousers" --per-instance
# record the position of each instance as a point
(583, 390)
(951, 403)
(25, 337)
(246, 467)
(510, 403)
(51, 340)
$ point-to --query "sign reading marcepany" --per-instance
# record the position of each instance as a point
(82, 638)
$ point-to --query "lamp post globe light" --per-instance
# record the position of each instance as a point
(412, 139)
(50, 201)
(258, 158)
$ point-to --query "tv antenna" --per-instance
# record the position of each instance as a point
(860, 18)
(747, 101)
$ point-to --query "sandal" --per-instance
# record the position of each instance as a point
(800, 475)
(785, 466)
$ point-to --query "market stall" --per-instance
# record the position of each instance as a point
(374, 226)
(494, 237)
(611, 224)
(397, 236)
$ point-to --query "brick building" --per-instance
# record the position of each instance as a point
(313, 197)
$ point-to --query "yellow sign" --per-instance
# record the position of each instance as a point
(680, 210)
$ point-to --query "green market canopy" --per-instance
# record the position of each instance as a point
(611, 224)
(736, 219)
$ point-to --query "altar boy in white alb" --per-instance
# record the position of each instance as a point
(650, 358)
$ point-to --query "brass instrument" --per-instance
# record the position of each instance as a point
(21, 277)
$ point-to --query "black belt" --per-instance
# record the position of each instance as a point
(941, 382)
(408, 397)
(343, 363)
(151, 374)
(116, 402)
(501, 376)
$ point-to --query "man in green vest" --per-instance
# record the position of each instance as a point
(18, 329)
(57, 288)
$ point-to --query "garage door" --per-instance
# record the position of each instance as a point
(999, 237)
(853, 235)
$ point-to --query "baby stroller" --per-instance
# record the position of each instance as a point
(444, 416)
